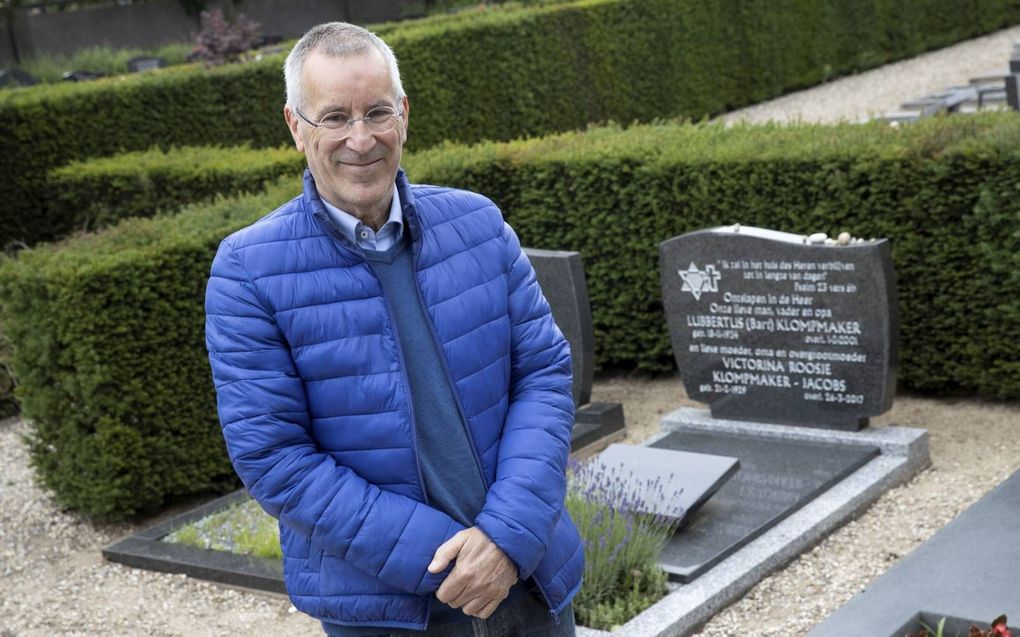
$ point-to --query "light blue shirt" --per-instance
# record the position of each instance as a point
(363, 236)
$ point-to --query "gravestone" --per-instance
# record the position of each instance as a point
(561, 277)
(141, 63)
(776, 478)
(775, 327)
(82, 76)
(664, 482)
(16, 77)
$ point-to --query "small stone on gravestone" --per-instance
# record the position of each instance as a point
(669, 483)
(145, 63)
(774, 327)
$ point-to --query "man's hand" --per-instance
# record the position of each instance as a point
(481, 577)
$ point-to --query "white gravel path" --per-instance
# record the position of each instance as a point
(53, 580)
(882, 90)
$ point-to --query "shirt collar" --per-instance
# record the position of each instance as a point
(351, 227)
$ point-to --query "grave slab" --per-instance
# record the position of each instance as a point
(966, 570)
(770, 326)
(669, 483)
(776, 478)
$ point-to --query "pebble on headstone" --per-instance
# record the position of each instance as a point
(766, 327)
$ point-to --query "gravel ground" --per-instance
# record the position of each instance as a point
(53, 580)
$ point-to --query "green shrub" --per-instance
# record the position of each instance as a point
(109, 352)
(943, 191)
(622, 546)
(494, 74)
(99, 192)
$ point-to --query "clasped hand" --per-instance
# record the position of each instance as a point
(481, 577)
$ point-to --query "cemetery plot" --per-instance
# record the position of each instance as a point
(770, 327)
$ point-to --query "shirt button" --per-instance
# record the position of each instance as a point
(364, 234)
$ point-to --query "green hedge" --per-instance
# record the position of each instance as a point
(944, 192)
(109, 353)
(495, 74)
(107, 329)
(99, 192)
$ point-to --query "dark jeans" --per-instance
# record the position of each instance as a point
(525, 616)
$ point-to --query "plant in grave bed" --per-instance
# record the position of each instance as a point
(622, 544)
(220, 41)
(241, 528)
(998, 628)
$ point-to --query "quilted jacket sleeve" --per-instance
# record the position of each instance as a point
(265, 419)
(525, 502)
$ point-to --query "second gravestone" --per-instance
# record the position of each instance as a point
(767, 326)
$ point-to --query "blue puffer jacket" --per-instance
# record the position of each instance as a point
(315, 408)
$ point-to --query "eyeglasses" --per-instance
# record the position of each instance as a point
(338, 126)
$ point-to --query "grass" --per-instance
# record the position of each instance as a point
(241, 528)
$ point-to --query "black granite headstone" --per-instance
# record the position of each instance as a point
(561, 275)
(16, 77)
(767, 326)
(776, 478)
(666, 482)
(145, 63)
(82, 76)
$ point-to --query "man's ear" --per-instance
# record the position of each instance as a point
(406, 107)
(292, 124)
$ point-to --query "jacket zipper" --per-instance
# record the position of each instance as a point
(460, 409)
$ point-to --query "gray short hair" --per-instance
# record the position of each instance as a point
(336, 39)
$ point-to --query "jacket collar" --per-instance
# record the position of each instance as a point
(313, 203)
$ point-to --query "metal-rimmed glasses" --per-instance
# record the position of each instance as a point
(338, 126)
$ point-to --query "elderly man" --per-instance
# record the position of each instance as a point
(390, 381)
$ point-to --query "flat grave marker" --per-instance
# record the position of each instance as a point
(665, 482)
(776, 477)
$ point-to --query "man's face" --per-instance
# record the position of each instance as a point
(355, 174)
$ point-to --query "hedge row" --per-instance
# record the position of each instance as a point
(109, 353)
(498, 74)
(94, 193)
(108, 328)
(944, 192)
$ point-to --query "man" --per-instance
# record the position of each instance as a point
(390, 381)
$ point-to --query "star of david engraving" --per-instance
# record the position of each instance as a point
(697, 281)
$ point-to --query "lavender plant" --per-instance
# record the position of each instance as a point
(622, 543)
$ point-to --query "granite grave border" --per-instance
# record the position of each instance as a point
(904, 452)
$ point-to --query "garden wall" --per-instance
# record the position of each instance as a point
(492, 74)
(108, 328)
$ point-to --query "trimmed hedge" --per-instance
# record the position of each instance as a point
(944, 192)
(100, 192)
(109, 353)
(495, 74)
(108, 328)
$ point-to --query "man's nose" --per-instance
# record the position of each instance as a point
(361, 138)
